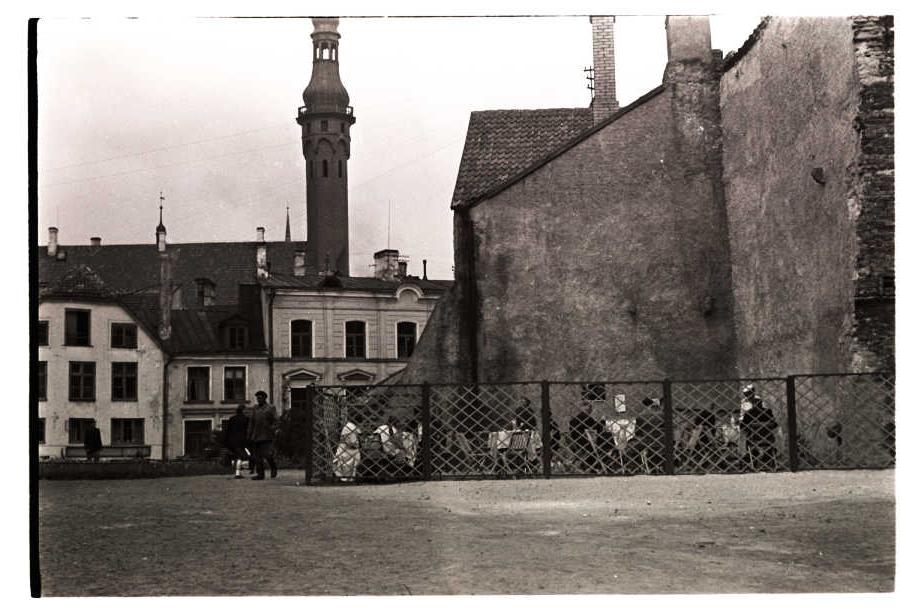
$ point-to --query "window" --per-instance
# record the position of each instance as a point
(81, 380)
(887, 285)
(127, 431)
(301, 339)
(43, 332)
(324, 125)
(78, 327)
(206, 292)
(342, 127)
(124, 381)
(237, 337)
(123, 335)
(77, 427)
(41, 431)
(198, 384)
(42, 380)
(324, 168)
(340, 169)
(235, 383)
(356, 339)
(406, 339)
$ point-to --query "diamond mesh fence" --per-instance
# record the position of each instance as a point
(396, 433)
(607, 428)
(730, 426)
(845, 421)
(366, 433)
(486, 430)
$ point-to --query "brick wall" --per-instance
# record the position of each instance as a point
(604, 103)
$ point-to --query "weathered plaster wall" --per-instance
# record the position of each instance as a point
(609, 261)
(788, 109)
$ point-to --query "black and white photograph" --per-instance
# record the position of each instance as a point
(340, 301)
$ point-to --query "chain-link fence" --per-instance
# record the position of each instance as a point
(532, 429)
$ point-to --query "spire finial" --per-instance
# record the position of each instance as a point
(161, 227)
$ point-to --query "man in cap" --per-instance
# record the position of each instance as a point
(261, 434)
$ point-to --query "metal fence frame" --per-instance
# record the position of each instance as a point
(794, 414)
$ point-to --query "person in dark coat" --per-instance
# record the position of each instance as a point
(236, 440)
(759, 426)
(261, 434)
(650, 435)
(93, 443)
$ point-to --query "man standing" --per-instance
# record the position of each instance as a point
(93, 443)
(236, 439)
(261, 434)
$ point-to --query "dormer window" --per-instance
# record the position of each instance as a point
(206, 292)
(236, 337)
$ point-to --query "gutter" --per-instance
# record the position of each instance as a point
(271, 351)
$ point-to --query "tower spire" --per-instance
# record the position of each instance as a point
(161, 228)
(287, 225)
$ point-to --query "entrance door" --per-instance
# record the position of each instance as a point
(197, 435)
(301, 406)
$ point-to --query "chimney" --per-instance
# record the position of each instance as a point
(299, 262)
(262, 266)
(52, 243)
(386, 264)
(95, 242)
(604, 103)
(688, 38)
(424, 268)
(165, 295)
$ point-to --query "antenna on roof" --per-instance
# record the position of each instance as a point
(389, 225)
(590, 79)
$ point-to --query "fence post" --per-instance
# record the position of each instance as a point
(793, 448)
(668, 427)
(546, 441)
(426, 432)
(308, 435)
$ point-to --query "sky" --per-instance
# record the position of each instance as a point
(203, 110)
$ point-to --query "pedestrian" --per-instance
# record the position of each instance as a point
(759, 426)
(581, 426)
(236, 440)
(93, 443)
(261, 434)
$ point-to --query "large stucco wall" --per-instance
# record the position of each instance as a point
(609, 261)
(788, 109)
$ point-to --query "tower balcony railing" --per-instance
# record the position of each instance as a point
(303, 110)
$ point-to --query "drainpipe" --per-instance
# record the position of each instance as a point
(271, 349)
(165, 408)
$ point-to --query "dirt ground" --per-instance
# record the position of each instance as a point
(212, 535)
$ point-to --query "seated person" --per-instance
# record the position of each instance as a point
(581, 425)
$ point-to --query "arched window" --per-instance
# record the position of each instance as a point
(406, 339)
(301, 339)
(340, 169)
(324, 168)
(355, 339)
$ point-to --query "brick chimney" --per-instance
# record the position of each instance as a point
(604, 103)
(52, 242)
(95, 242)
(688, 38)
(262, 266)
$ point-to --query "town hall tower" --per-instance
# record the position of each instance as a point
(325, 119)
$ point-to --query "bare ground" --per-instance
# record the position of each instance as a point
(804, 532)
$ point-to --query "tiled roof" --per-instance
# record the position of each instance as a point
(364, 284)
(504, 146)
(135, 267)
(501, 143)
(78, 281)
